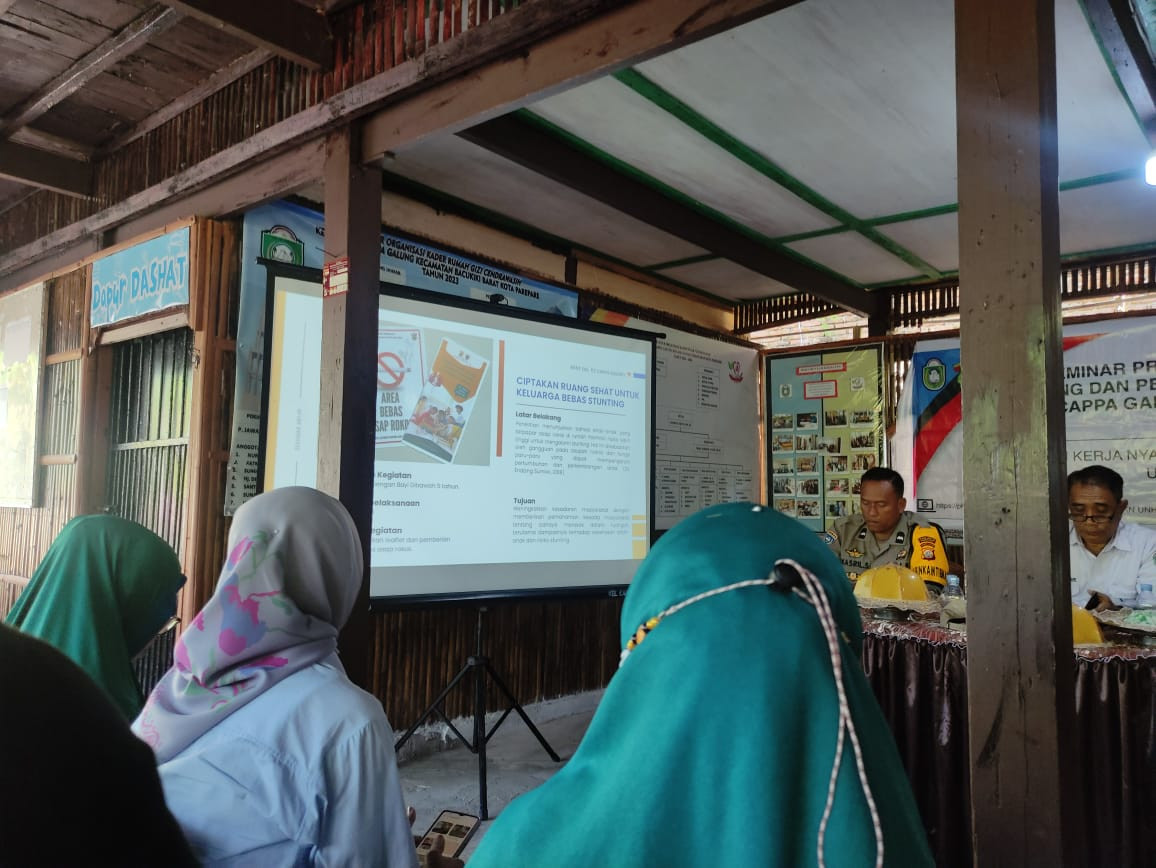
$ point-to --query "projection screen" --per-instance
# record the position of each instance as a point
(514, 452)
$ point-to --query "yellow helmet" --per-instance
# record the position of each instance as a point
(890, 582)
(1085, 630)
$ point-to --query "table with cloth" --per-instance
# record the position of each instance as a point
(918, 671)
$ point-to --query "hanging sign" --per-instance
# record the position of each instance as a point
(142, 279)
(335, 277)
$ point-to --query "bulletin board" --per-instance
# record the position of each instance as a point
(824, 428)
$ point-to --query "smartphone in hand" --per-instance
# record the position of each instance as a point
(454, 827)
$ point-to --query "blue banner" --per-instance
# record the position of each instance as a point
(409, 263)
(141, 280)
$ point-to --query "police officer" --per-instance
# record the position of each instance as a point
(886, 533)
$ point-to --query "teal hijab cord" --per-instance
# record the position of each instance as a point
(788, 575)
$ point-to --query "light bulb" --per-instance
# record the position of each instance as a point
(1150, 170)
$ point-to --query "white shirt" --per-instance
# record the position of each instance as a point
(1128, 560)
(305, 774)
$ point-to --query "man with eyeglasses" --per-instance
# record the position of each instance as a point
(1109, 556)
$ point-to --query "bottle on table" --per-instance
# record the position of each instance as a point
(952, 589)
(952, 605)
(1145, 599)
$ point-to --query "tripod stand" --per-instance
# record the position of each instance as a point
(479, 664)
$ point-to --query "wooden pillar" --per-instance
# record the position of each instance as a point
(879, 322)
(1020, 690)
(214, 274)
(345, 450)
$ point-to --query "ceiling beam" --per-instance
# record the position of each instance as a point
(287, 29)
(531, 57)
(135, 34)
(42, 169)
(1126, 50)
(536, 47)
(58, 145)
(536, 149)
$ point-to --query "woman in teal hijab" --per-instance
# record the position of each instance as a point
(715, 742)
(103, 590)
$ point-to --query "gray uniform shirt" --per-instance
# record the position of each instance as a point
(858, 550)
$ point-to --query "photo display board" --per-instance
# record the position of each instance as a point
(514, 452)
(824, 429)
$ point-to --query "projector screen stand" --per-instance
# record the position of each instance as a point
(478, 664)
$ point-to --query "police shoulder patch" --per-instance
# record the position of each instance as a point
(828, 537)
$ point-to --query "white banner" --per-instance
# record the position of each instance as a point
(1110, 412)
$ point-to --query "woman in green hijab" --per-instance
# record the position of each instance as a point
(103, 590)
(716, 741)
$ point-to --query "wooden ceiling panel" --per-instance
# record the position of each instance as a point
(111, 14)
(661, 146)
(1104, 217)
(854, 257)
(471, 173)
(855, 100)
(86, 124)
(109, 93)
(935, 239)
(727, 279)
(29, 56)
(166, 72)
(46, 27)
(201, 44)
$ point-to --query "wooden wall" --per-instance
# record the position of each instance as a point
(541, 650)
(370, 38)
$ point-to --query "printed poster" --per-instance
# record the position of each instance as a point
(447, 399)
(400, 374)
(1110, 416)
(825, 428)
(21, 366)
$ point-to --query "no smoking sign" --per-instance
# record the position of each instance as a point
(391, 370)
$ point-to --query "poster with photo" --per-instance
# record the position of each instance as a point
(400, 375)
(447, 397)
(825, 407)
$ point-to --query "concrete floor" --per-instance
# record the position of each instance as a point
(435, 780)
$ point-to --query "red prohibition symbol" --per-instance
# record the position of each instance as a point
(390, 370)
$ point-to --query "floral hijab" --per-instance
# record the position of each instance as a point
(287, 588)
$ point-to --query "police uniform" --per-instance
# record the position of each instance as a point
(858, 549)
